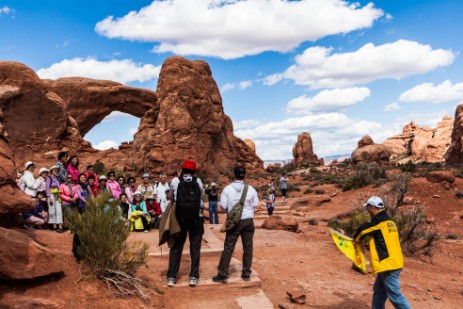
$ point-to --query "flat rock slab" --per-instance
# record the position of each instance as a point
(260, 300)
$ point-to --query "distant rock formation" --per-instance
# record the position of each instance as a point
(367, 151)
(454, 154)
(303, 151)
(184, 119)
(422, 143)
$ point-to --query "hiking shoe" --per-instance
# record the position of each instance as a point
(28, 227)
(146, 231)
(193, 281)
(170, 282)
(246, 278)
(221, 279)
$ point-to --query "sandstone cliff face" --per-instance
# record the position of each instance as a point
(250, 144)
(184, 119)
(422, 143)
(188, 122)
(303, 151)
(454, 153)
(368, 151)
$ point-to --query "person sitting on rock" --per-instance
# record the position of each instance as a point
(28, 183)
(113, 185)
(73, 168)
(37, 217)
(138, 214)
(146, 188)
(154, 209)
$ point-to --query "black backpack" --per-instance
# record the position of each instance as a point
(188, 200)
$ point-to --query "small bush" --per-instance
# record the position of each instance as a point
(364, 175)
(451, 236)
(459, 195)
(103, 236)
(308, 191)
(350, 226)
(313, 222)
(99, 168)
(293, 187)
(409, 167)
(320, 191)
(314, 170)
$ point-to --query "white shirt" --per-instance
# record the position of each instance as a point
(231, 195)
(29, 183)
(174, 185)
(161, 191)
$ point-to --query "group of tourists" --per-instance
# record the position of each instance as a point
(271, 192)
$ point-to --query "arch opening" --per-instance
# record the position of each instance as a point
(113, 130)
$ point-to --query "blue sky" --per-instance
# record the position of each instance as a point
(336, 69)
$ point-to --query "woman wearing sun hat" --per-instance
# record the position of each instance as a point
(55, 212)
(29, 185)
(43, 174)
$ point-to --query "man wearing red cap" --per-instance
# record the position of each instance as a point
(187, 191)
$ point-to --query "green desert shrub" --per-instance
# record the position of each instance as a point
(364, 175)
(308, 191)
(103, 234)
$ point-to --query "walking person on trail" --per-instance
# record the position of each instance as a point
(270, 202)
(187, 190)
(231, 195)
(284, 185)
(212, 197)
(386, 258)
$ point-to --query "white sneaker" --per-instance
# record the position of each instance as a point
(170, 282)
(193, 281)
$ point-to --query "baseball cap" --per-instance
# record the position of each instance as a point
(145, 175)
(375, 202)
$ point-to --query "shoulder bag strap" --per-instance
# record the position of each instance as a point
(243, 196)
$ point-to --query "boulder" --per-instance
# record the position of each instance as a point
(250, 144)
(370, 152)
(454, 154)
(439, 176)
(422, 143)
(23, 258)
(303, 154)
(284, 223)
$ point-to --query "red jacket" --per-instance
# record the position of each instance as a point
(155, 207)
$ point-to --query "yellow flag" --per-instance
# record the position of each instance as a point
(350, 249)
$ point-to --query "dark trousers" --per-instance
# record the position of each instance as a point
(195, 233)
(245, 229)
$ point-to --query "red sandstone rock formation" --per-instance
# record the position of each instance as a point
(23, 258)
(250, 144)
(422, 143)
(303, 151)
(368, 151)
(284, 223)
(184, 119)
(454, 153)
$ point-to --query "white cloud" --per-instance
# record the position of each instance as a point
(132, 131)
(317, 67)
(328, 100)
(106, 144)
(116, 115)
(391, 107)
(332, 133)
(5, 10)
(241, 85)
(428, 92)
(231, 29)
(245, 124)
(123, 71)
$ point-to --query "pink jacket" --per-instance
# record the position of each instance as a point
(74, 171)
(115, 188)
(65, 194)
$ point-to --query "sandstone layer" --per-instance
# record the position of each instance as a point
(367, 151)
(422, 143)
(454, 154)
(303, 154)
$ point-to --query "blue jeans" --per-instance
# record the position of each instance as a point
(387, 285)
(213, 212)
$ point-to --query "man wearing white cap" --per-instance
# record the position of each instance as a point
(386, 258)
(28, 183)
(43, 174)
